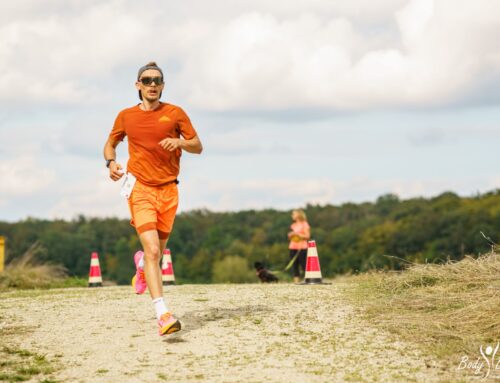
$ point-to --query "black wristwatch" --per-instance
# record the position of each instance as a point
(108, 162)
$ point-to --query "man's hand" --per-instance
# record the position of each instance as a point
(170, 144)
(115, 171)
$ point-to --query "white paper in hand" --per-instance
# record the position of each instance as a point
(128, 185)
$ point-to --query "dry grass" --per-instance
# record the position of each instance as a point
(27, 273)
(449, 309)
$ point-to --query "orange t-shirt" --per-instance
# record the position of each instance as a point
(148, 161)
(299, 228)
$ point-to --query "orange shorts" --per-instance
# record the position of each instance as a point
(153, 208)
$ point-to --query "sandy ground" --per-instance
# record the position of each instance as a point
(231, 333)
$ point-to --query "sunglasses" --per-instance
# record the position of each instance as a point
(150, 80)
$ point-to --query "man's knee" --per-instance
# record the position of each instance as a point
(152, 252)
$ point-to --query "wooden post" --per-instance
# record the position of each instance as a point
(2, 253)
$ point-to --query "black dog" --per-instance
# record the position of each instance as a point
(264, 275)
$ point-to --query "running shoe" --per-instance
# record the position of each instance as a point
(168, 324)
(139, 279)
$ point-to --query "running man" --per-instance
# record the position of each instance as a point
(157, 133)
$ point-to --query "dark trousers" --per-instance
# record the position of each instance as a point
(300, 261)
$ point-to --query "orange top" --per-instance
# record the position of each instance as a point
(148, 161)
(299, 228)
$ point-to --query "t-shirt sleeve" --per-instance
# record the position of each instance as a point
(118, 131)
(184, 125)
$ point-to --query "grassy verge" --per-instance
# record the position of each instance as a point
(20, 365)
(27, 273)
(449, 310)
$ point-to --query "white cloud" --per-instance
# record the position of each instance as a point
(273, 55)
(413, 20)
(259, 60)
(267, 55)
(246, 141)
(95, 196)
(24, 177)
(62, 56)
(363, 11)
(223, 195)
(67, 67)
(427, 137)
(287, 193)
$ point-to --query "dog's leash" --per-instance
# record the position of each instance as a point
(287, 266)
(291, 262)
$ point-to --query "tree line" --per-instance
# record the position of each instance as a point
(215, 247)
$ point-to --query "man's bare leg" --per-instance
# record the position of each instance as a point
(153, 249)
(152, 254)
(163, 245)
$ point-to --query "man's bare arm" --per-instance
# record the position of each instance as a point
(115, 169)
(192, 146)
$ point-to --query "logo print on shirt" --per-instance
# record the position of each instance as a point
(164, 119)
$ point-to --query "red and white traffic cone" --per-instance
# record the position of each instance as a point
(313, 271)
(167, 269)
(95, 278)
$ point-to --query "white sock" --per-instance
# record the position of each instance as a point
(160, 307)
(141, 262)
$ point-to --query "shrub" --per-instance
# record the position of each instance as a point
(232, 269)
(26, 272)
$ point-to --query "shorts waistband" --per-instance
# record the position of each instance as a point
(176, 181)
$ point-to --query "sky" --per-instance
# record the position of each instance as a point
(295, 102)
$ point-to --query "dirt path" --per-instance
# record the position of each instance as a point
(232, 333)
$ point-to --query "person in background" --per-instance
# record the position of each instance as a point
(299, 235)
